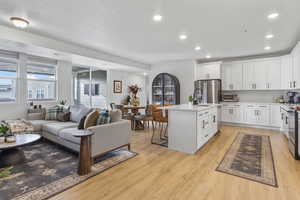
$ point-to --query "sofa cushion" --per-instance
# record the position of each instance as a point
(38, 124)
(55, 127)
(66, 134)
(115, 115)
(78, 111)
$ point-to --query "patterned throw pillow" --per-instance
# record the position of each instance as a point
(51, 113)
(91, 119)
(103, 118)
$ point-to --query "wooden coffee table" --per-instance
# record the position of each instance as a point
(10, 154)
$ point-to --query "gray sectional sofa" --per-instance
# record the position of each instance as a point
(107, 137)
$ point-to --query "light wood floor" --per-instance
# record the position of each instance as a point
(160, 174)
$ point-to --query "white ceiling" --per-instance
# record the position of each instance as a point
(125, 27)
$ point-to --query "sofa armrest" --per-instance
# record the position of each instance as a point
(110, 136)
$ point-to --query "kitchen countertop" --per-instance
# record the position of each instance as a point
(192, 108)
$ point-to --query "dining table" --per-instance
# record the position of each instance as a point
(136, 123)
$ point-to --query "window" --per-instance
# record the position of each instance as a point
(86, 89)
(29, 93)
(8, 81)
(41, 82)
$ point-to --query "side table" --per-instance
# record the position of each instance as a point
(85, 160)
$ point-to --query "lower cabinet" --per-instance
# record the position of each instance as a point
(252, 114)
(231, 113)
(207, 126)
(257, 114)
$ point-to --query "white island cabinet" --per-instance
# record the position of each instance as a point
(190, 127)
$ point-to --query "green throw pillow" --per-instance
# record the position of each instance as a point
(103, 118)
(51, 113)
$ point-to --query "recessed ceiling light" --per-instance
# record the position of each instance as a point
(197, 48)
(145, 74)
(19, 22)
(267, 48)
(182, 37)
(269, 36)
(273, 15)
(208, 56)
(157, 18)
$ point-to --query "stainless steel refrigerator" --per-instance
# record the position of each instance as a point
(207, 91)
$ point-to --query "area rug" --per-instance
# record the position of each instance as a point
(50, 169)
(250, 156)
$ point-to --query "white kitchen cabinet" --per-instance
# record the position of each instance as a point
(249, 75)
(257, 114)
(262, 74)
(231, 113)
(275, 115)
(296, 67)
(208, 71)
(287, 72)
(273, 77)
(232, 76)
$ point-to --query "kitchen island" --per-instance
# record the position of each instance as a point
(191, 126)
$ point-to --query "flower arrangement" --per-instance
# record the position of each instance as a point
(134, 89)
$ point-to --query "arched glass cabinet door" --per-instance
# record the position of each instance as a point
(165, 89)
(169, 89)
(157, 89)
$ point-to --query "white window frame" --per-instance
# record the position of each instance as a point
(42, 80)
(16, 62)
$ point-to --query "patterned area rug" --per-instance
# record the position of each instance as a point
(250, 156)
(50, 169)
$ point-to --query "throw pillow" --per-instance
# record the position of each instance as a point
(78, 111)
(51, 113)
(115, 115)
(103, 118)
(81, 123)
(36, 114)
(63, 108)
(63, 116)
(91, 119)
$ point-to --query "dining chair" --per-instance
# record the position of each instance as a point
(160, 120)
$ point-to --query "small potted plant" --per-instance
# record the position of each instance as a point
(62, 102)
(190, 100)
(3, 132)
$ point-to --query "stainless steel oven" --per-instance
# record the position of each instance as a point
(293, 130)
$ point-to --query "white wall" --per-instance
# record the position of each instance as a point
(184, 70)
(127, 78)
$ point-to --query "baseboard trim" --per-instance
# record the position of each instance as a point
(251, 126)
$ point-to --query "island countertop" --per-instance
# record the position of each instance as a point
(192, 108)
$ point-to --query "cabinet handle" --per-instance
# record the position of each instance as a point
(254, 85)
(214, 120)
(267, 85)
(203, 124)
(281, 116)
(206, 135)
(286, 120)
(294, 84)
(290, 84)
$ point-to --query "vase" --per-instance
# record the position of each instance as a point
(135, 101)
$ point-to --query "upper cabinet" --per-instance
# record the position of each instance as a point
(287, 72)
(263, 74)
(232, 76)
(296, 66)
(208, 71)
